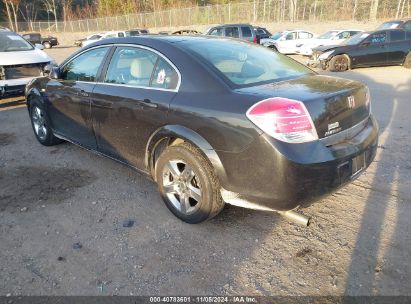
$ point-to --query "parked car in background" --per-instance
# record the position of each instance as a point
(186, 32)
(4, 28)
(262, 32)
(378, 48)
(241, 31)
(94, 37)
(20, 62)
(212, 121)
(396, 24)
(36, 38)
(286, 42)
(136, 32)
(329, 38)
(116, 34)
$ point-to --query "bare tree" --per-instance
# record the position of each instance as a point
(9, 16)
(51, 7)
(15, 4)
(374, 10)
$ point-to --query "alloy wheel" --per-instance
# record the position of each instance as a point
(181, 186)
(39, 123)
(341, 64)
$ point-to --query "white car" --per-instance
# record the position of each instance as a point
(20, 62)
(286, 42)
(113, 34)
(333, 37)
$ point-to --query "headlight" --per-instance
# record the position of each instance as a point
(325, 55)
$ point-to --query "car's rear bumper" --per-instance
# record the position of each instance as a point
(282, 176)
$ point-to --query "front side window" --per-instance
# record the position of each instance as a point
(291, 36)
(85, 66)
(131, 66)
(246, 31)
(377, 38)
(244, 64)
(232, 32)
(216, 31)
(407, 26)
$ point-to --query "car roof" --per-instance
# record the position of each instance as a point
(234, 24)
(398, 20)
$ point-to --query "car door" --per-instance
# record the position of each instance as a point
(398, 49)
(288, 44)
(69, 97)
(131, 102)
(373, 51)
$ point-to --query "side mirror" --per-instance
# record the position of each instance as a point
(39, 46)
(54, 72)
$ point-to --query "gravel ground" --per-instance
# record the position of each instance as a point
(62, 211)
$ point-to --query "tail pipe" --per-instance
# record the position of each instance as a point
(296, 217)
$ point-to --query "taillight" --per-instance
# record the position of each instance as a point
(284, 119)
(255, 40)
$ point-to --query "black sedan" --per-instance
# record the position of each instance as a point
(211, 120)
(379, 48)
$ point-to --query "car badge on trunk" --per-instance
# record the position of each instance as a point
(351, 102)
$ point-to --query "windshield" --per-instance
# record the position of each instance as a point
(328, 35)
(11, 42)
(245, 64)
(356, 39)
(276, 35)
(389, 25)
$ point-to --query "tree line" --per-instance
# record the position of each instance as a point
(15, 11)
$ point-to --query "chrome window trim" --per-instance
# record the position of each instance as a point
(126, 85)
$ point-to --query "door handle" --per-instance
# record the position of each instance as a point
(148, 103)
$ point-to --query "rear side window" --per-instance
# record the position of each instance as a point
(232, 32)
(165, 76)
(246, 32)
(85, 66)
(304, 35)
(216, 31)
(397, 36)
(131, 66)
(120, 34)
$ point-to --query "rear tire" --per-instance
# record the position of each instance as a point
(41, 126)
(47, 45)
(188, 184)
(339, 63)
(407, 61)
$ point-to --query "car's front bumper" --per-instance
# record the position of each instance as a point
(14, 86)
(282, 176)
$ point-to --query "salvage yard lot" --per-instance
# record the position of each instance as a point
(359, 242)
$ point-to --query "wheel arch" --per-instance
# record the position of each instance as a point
(173, 134)
(31, 94)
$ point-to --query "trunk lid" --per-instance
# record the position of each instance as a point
(334, 104)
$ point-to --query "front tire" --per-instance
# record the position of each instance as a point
(47, 45)
(188, 184)
(339, 63)
(273, 48)
(41, 125)
(407, 61)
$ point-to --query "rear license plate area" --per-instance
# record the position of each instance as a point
(358, 164)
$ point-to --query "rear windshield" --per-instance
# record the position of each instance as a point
(389, 25)
(245, 64)
(10, 42)
(328, 35)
